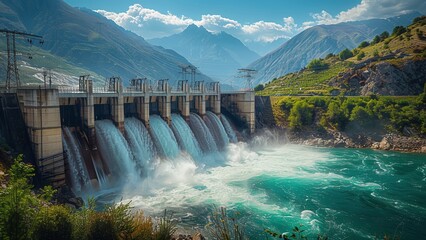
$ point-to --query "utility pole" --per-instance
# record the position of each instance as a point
(248, 74)
(12, 66)
(189, 69)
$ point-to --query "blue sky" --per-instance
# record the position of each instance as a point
(249, 20)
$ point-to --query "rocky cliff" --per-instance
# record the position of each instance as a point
(383, 78)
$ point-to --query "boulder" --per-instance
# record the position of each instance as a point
(384, 144)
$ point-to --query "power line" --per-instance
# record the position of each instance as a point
(12, 66)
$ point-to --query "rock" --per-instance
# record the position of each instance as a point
(384, 144)
(77, 202)
(375, 145)
(423, 149)
(198, 236)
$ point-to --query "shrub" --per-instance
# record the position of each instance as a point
(301, 114)
(17, 203)
(398, 30)
(102, 227)
(359, 114)
(419, 19)
(384, 35)
(317, 65)
(345, 54)
(330, 55)
(355, 51)
(259, 87)
(165, 227)
(360, 56)
(52, 223)
(376, 53)
(222, 227)
(143, 227)
(375, 40)
(334, 116)
(363, 44)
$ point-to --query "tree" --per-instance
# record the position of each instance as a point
(384, 35)
(360, 56)
(259, 87)
(364, 44)
(317, 65)
(375, 40)
(345, 54)
(301, 114)
(330, 55)
(398, 30)
(17, 203)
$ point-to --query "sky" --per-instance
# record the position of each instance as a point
(249, 20)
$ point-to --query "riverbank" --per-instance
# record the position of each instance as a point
(389, 141)
(377, 122)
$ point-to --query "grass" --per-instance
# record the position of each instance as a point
(307, 82)
(41, 59)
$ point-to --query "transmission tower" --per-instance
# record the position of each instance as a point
(189, 70)
(12, 66)
(248, 75)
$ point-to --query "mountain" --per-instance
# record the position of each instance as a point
(263, 48)
(217, 55)
(394, 66)
(320, 40)
(90, 41)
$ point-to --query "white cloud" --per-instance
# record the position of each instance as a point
(150, 23)
(368, 9)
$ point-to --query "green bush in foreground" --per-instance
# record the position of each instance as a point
(26, 215)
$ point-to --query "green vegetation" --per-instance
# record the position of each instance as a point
(317, 65)
(345, 54)
(259, 87)
(306, 82)
(315, 78)
(364, 44)
(27, 215)
(392, 114)
(398, 30)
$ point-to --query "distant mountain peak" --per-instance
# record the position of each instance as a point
(217, 54)
(195, 29)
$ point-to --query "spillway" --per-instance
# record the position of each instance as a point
(163, 137)
(202, 133)
(79, 175)
(140, 143)
(185, 136)
(115, 150)
(216, 128)
(229, 130)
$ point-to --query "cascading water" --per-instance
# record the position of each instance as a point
(163, 137)
(79, 175)
(202, 133)
(185, 136)
(231, 133)
(140, 143)
(115, 150)
(217, 129)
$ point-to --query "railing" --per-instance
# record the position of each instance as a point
(69, 89)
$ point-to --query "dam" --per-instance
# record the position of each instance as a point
(75, 132)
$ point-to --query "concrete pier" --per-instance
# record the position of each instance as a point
(40, 108)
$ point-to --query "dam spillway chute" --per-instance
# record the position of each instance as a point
(185, 136)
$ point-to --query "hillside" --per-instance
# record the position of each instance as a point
(318, 41)
(394, 66)
(90, 41)
(32, 61)
(217, 55)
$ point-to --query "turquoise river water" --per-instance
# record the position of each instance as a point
(342, 193)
